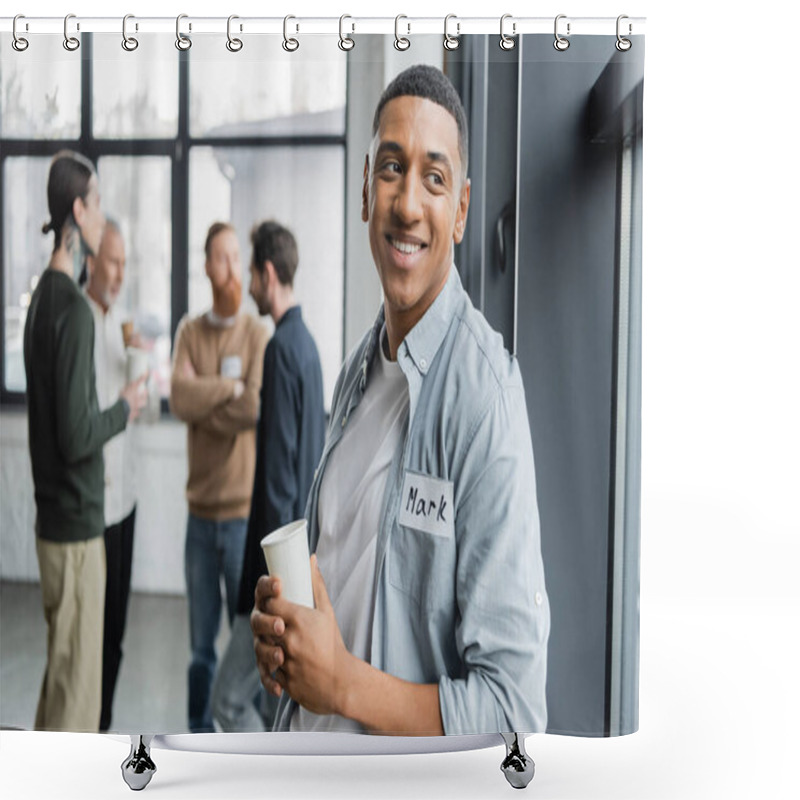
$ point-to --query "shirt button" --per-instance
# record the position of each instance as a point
(344, 421)
(538, 598)
(423, 363)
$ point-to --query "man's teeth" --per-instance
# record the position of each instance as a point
(406, 247)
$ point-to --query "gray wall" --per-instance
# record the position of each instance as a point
(563, 292)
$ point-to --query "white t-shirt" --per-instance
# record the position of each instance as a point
(350, 504)
(118, 453)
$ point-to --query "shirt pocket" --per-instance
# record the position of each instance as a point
(423, 567)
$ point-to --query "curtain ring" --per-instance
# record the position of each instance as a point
(19, 43)
(234, 45)
(506, 42)
(451, 42)
(71, 43)
(129, 43)
(623, 44)
(345, 42)
(182, 42)
(289, 44)
(560, 43)
(400, 42)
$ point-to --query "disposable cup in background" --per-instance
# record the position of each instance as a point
(286, 552)
(127, 332)
(137, 363)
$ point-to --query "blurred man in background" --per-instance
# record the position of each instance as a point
(216, 379)
(105, 272)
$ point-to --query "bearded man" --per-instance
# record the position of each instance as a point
(216, 379)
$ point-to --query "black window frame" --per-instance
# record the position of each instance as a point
(177, 149)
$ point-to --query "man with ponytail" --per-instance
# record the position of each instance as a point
(66, 432)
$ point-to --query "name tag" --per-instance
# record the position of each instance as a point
(426, 504)
(231, 367)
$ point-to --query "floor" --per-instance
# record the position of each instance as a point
(152, 680)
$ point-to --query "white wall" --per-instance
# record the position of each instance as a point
(161, 508)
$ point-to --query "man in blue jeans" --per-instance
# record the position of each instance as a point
(216, 379)
(289, 438)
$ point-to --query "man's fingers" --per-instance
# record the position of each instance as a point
(267, 588)
(266, 626)
(321, 599)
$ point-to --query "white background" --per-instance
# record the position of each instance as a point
(720, 605)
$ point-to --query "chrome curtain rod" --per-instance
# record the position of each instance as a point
(348, 25)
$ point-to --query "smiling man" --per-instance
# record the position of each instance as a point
(432, 616)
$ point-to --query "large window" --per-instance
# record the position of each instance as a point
(180, 140)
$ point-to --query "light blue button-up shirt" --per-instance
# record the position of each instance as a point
(459, 586)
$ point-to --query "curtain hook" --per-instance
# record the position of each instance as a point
(181, 42)
(451, 42)
(129, 43)
(623, 44)
(233, 44)
(71, 43)
(289, 44)
(506, 42)
(561, 43)
(19, 43)
(345, 42)
(401, 42)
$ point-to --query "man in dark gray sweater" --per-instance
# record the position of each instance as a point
(66, 433)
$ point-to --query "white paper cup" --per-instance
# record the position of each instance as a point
(137, 363)
(286, 552)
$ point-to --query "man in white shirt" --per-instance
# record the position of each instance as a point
(105, 273)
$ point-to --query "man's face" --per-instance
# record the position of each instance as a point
(89, 216)
(258, 289)
(224, 270)
(415, 202)
(107, 269)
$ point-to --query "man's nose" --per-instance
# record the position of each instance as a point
(408, 201)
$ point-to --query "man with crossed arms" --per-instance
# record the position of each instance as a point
(432, 616)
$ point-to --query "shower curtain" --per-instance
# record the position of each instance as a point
(244, 128)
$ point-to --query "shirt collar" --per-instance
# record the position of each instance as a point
(290, 313)
(423, 341)
(220, 322)
(425, 338)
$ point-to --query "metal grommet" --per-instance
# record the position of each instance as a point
(289, 44)
(345, 42)
(182, 42)
(71, 43)
(451, 42)
(19, 43)
(623, 44)
(400, 42)
(129, 43)
(560, 44)
(506, 42)
(233, 44)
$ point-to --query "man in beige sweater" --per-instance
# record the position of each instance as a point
(216, 381)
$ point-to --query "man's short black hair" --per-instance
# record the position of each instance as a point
(272, 242)
(432, 84)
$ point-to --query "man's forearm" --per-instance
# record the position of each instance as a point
(385, 704)
(192, 399)
(234, 416)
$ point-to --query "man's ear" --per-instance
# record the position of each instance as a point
(269, 274)
(365, 192)
(78, 211)
(461, 212)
